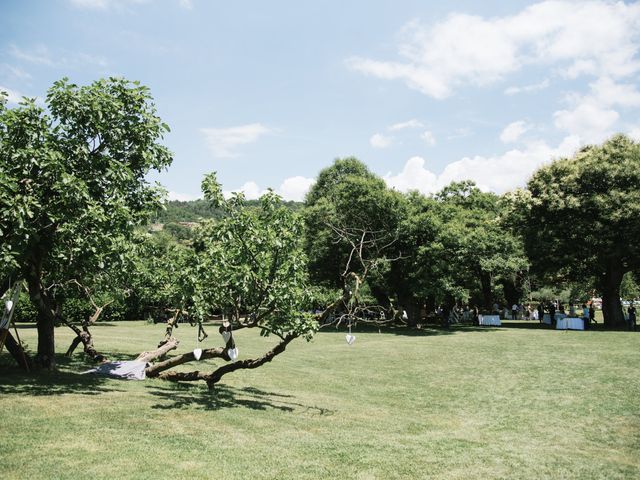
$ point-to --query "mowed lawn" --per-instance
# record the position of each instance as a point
(470, 403)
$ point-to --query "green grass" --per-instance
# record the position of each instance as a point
(472, 403)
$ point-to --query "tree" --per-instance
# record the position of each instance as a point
(249, 265)
(349, 205)
(580, 216)
(462, 247)
(72, 186)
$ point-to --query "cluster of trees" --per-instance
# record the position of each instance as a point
(74, 202)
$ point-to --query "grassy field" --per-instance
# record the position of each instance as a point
(470, 403)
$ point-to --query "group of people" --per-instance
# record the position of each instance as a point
(587, 312)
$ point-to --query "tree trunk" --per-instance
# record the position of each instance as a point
(487, 294)
(611, 306)
(46, 342)
(17, 352)
(44, 306)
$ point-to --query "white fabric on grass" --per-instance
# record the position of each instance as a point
(128, 370)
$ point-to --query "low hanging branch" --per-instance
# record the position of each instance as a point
(84, 335)
(347, 306)
(215, 376)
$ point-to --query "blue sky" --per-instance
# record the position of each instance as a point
(269, 93)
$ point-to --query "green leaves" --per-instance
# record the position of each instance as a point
(251, 266)
(72, 180)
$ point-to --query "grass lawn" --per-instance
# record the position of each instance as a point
(470, 403)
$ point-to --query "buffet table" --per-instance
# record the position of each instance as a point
(570, 324)
(493, 320)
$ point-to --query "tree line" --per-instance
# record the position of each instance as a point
(75, 202)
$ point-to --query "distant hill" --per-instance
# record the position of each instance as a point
(196, 210)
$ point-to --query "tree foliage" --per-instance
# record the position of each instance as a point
(580, 215)
(72, 185)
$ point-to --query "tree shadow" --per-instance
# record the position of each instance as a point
(51, 383)
(425, 330)
(180, 395)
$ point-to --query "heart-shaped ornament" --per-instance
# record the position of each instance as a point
(197, 353)
(9, 305)
(350, 338)
(226, 336)
(233, 354)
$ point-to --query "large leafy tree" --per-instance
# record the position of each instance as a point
(581, 218)
(72, 185)
(349, 206)
(479, 249)
(250, 265)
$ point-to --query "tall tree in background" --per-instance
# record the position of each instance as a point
(581, 218)
(72, 184)
(478, 248)
(348, 201)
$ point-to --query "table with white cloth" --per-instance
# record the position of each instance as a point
(570, 323)
(493, 320)
(558, 316)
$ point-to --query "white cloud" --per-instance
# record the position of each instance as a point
(534, 87)
(413, 123)
(224, 141)
(188, 4)
(428, 137)
(292, 188)
(590, 121)
(634, 132)
(513, 131)
(295, 188)
(592, 116)
(13, 96)
(380, 141)
(183, 197)
(609, 93)
(250, 189)
(498, 173)
(413, 177)
(589, 37)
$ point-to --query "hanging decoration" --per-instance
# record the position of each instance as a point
(229, 343)
(350, 338)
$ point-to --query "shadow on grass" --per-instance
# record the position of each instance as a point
(51, 383)
(426, 330)
(67, 379)
(179, 395)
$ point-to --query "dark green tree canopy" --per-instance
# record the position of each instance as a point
(581, 216)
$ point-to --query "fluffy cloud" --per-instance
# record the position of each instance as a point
(380, 141)
(499, 173)
(183, 197)
(292, 188)
(224, 141)
(513, 131)
(592, 122)
(13, 96)
(295, 188)
(591, 37)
